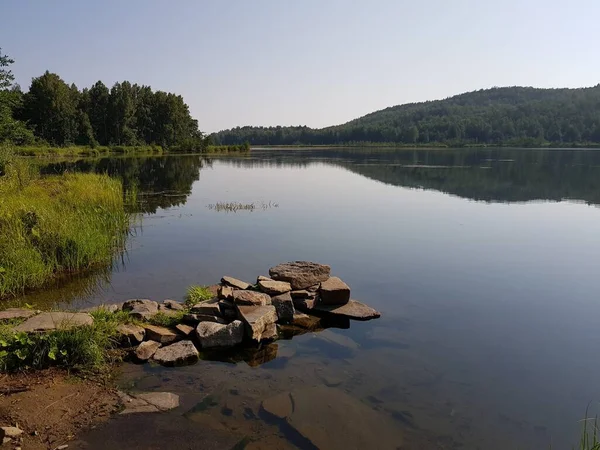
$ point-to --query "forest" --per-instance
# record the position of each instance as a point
(55, 113)
(510, 116)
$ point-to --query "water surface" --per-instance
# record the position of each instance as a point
(482, 262)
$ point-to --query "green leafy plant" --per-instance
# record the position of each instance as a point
(197, 294)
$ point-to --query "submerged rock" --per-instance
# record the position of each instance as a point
(329, 418)
(211, 335)
(131, 334)
(160, 334)
(141, 308)
(48, 321)
(235, 283)
(146, 350)
(306, 321)
(182, 352)
(284, 306)
(251, 298)
(300, 274)
(164, 401)
(17, 313)
(272, 287)
(257, 320)
(352, 310)
(334, 291)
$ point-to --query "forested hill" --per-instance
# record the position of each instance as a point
(519, 116)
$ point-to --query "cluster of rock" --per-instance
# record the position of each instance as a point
(296, 295)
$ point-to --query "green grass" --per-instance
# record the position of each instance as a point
(197, 294)
(168, 320)
(56, 224)
(48, 151)
(589, 439)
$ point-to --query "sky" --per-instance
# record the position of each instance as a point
(304, 62)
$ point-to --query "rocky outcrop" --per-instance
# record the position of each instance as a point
(49, 321)
(142, 309)
(160, 334)
(300, 274)
(334, 291)
(284, 306)
(272, 287)
(251, 298)
(146, 350)
(235, 283)
(211, 335)
(180, 353)
(257, 320)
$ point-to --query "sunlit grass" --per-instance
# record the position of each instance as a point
(197, 294)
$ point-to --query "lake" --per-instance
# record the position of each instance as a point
(483, 263)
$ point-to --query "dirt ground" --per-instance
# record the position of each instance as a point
(52, 407)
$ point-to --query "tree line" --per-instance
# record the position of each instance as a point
(517, 116)
(56, 113)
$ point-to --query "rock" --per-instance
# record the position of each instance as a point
(135, 405)
(336, 339)
(315, 412)
(172, 304)
(305, 304)
(111, 308)
(195, 319)
(228, 310)
(270, 333)
(274, 287)
(213, 289)
(352, 310)
(211, 309)
(211, 335)
(251, 298)
(10, 432)
(164, 401)
(257, 319)
(131, 334)
(306, 321)
(235, 283)
(300, 274)
(301, 294)
(48, 321)
(334, 291)
(146, 350)
(142, 309)
(263, 278)
(225, 293)
(17, 313)
(284, 306)
(160, 334)
(186, 330)
(258, 356)
(182, 352)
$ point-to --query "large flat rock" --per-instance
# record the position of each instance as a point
(131, 334)
(330, 419)
(235, 283)
(160, 334)
(16, 313)
(211, 335)
(251, 298)
(146, 350)
(273, 287)
(300, 274)
(352, 310)
(180, 353)
(48, 321)
(257, 320)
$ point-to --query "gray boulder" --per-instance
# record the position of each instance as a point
(131, 334)
(160, 334)
(211, 335)
(300, 274)
(284, 306)
(142, 309)
(146, 350)
(182, 352)
(49, 321)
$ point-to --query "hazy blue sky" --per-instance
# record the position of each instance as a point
(309, 62)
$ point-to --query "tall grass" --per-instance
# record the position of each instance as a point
(197, 294)
(589, 439)
(57, 224)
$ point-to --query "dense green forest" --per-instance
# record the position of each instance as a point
(56, 113)
(512, 116)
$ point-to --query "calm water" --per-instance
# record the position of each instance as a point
(483, 263)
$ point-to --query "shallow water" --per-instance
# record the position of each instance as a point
(482, 262)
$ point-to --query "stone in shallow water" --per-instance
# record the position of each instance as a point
(48, 321)
(235, 283)
(212, 335)
(160, 334)
(305, 304)
(334, 291)
(251, 298)
(306, 321)
(285, 307)
(352, 310)
(146, 350)
(300, 274)
(17, 313)
(182, 352)
(331, 419)
(272, 287)
(131, 334)
(257, 320)
(164, 401)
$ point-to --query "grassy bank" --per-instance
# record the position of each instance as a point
(56, 224)
(45, 151)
